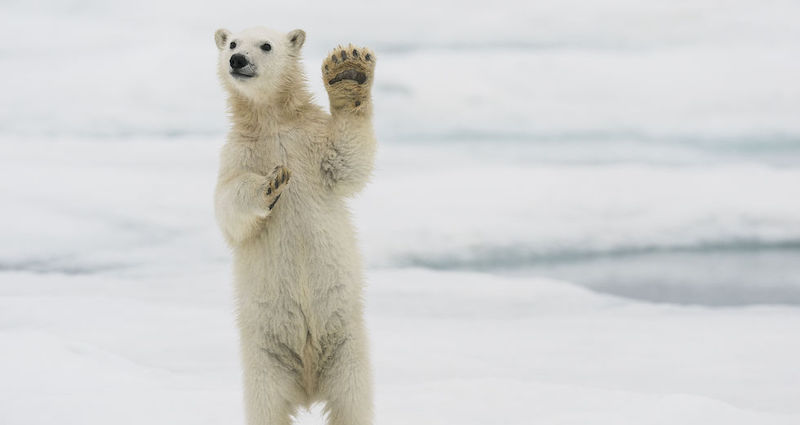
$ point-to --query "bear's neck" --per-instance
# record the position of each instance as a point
(258, 120)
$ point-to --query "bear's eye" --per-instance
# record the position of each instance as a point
(266, 47)
(233, 44)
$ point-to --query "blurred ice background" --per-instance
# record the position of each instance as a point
(647, 153)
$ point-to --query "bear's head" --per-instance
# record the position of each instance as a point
(258, 62)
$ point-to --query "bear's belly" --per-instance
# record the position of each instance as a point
(298, 285)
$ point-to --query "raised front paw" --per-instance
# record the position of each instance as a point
(275, 184)
(348, 73)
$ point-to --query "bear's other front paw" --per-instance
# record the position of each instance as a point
(275, 184)
(347, 73)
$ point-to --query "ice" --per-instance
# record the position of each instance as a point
(706, 70)
(464, 347)
(115, 294)
(143, 202)
(582, 211)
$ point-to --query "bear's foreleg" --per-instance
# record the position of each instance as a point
(347, 163)
(243, 201)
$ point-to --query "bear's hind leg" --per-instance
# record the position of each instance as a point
(271, 393)
(346, 385)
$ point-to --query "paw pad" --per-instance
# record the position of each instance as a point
(348, 64)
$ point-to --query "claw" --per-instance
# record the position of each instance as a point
(274, 201)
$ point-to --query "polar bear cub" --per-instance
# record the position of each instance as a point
(285, 172)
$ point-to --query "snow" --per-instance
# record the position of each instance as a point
(582, 211)
(713, 69)
(116, 304)
(447, 347)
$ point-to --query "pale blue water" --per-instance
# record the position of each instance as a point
(740, 273)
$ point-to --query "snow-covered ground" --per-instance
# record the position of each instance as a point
(115, 302)
(583, 211)
(447, 347)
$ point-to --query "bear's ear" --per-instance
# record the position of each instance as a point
(221, 38)
(296, 39)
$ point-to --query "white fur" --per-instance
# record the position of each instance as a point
(297, 270)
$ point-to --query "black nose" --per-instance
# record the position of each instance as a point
(238, 61)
